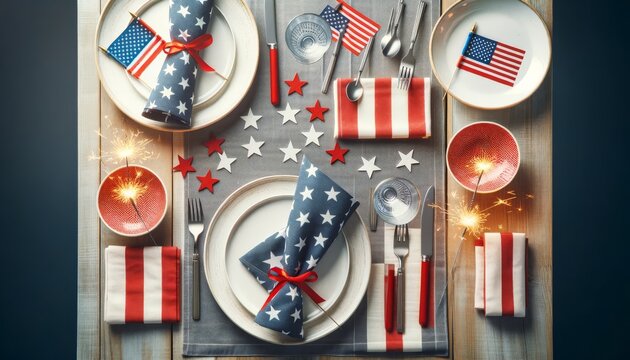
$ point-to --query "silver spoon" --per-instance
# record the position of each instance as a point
(354, 89)
(390, 43)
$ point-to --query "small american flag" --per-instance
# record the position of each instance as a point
(136, 47)
(359, 28)
(491, 59)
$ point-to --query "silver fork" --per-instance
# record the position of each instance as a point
(408, 62)
(401, 250)
(195, 226)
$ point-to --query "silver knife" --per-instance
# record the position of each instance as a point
(426, 246)
(272, 41)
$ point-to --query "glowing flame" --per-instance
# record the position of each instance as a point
(482, 163)
(129, 189)
(127, 146)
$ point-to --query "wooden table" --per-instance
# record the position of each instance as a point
(472, 336)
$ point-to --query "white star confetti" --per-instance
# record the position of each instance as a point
(253, 147)
(290, 152)
(407, 160)
(369, 166)
(312, 136)
(288, 114)
(225, 162)
(251, 120)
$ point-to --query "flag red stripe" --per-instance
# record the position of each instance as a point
(416, 108)
(488, 68)
(511, 65)
(383, 107)
(505, 58)
(509, 53)
(507, 287)
(134, 284)
(486, 75)
(364, 20)
(511, 48)
(393, 340)
(143, 54)
(170, 280)
(504, 69)
(348, 113)
(155, 54)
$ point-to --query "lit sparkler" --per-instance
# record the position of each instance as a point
(126, 146)
(129, 189)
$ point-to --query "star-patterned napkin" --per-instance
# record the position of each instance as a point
(171, 100)
(320, 209)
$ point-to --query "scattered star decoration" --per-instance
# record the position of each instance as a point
(407, 160)
(290, 152)
(225, 162)
(207, 182)
(312, 136)
(295, 85)
(184, 166)
(317, 111)
(288, 114)
(214, 144)
(253, 147)
(369, 166)
(251, 119)
(337, 154)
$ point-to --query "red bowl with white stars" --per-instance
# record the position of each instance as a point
(132, 201)
(483, 152)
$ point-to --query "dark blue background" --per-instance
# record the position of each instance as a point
(591, 290)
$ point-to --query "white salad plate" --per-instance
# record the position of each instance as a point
(250, 215)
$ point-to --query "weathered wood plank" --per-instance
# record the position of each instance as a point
(472, 335)
(88, 296)
(136, 341)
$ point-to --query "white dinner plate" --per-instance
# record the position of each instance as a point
(221, 55)
(261, 220)
(247, 217)
(234, 53)
(509, 22)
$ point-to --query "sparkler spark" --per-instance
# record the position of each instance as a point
(126, 146)
(481, 163)
(460, 214)
(129, 189)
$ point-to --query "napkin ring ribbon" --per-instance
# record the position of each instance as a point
(279, 275)
(193, 49)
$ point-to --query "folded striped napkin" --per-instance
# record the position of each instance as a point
(384, 111)
(500, 274)
(142, 284)
(378, 338)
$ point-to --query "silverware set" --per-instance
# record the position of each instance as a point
(195, 226)
(390, 43)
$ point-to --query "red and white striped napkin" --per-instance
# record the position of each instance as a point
(378, 338)
(384, 111)
(500, 274)
(142, 284)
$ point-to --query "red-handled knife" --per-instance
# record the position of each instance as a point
(389, 297)
(272, 41)
(426, 244)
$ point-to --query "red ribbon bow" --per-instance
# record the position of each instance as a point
(279, 275)
(193, 49)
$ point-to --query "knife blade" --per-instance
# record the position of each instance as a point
(426, 246)
(272, 41)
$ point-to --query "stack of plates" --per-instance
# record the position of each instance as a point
(249, 216)
(234, 54)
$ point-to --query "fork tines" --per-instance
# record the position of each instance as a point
(195, 211)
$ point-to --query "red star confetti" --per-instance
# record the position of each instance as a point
(295, 85)
(317, 111)
(184, 166)
(337, 154)
(214, 144)
(207, 182)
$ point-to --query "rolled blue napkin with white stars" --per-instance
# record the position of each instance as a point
(320, 209)
(171, 99)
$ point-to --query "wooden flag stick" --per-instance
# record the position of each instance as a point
(448, 87)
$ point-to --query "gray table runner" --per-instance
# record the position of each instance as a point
(215, 334)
